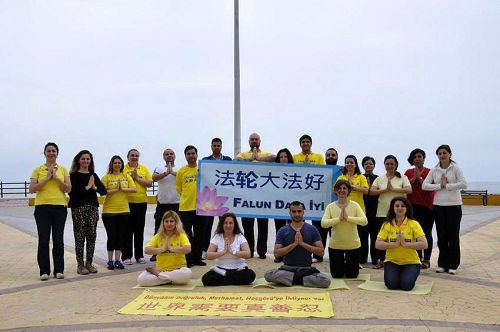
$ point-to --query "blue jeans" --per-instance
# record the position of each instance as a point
(50, 218)
(400, 276)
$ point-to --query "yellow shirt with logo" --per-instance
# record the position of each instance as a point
(50, 193)
(117, 202)
(247, 155)
(314, 158)
(166, 262)
(141, 195)
(358, 180)
(185, 184)
(411, 230)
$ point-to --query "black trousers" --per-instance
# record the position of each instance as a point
(425, 218)
(344, 263)
(194, 227)
(50, 218)
(209, 223)
(233, 277)
(324, 234)
(134, 232)
(380, 254)
(115, 225)
(262, 228)
(160, 211)
(278, 223)
(448, 220)
(368, 236)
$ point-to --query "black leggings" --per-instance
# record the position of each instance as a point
(115, 225)
(425, 218)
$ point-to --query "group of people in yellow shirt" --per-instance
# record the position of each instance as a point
(398, 240)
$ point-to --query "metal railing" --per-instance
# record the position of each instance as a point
(21, 189)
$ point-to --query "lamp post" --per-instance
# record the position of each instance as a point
(237, 117)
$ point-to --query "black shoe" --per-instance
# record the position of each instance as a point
(262, 256)
(278, 260)
(200, 263)
(153, 258)
(189, 264)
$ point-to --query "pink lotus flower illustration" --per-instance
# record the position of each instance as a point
(209, 204)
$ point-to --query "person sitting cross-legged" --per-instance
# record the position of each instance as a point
(230, 248)
(296, 242)
(170, 245)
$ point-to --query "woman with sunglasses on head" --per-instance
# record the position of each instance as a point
(85, 208)
(401, 237)
(344, 216)
(388, 186)
(446, 179)
(50, 182)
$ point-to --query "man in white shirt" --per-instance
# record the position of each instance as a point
(167, 197)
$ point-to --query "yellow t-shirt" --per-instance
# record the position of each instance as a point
(411, 230)
(141, 195)
(117, 202)
(169, 261)
(344, 232)
(314, 158)
(358, 180)
(185, 184)
(249, 154)
(384, 200)
(50, 193)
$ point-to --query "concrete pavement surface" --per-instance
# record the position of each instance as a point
(468, 301)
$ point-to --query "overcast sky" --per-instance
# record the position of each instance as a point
(365, 77)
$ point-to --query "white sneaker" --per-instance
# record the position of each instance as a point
(44, 277)
(440, 270)
(452, 271)
(59, 275)
(203, 255)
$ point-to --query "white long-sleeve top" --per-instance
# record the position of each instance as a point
(450, 195)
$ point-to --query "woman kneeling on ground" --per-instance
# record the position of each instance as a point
(170, 245)
(401, 237)
(230, 248)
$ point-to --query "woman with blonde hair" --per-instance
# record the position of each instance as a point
(170, 245)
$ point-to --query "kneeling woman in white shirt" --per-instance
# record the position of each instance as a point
(170, 245)
(230, 248)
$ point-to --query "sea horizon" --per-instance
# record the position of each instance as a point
(493, 187)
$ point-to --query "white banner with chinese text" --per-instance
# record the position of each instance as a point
(263, 190)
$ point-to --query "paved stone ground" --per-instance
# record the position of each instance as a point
(468, 301)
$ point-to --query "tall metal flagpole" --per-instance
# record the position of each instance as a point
(237, 118)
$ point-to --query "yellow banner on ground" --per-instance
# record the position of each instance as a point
(231, 304)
